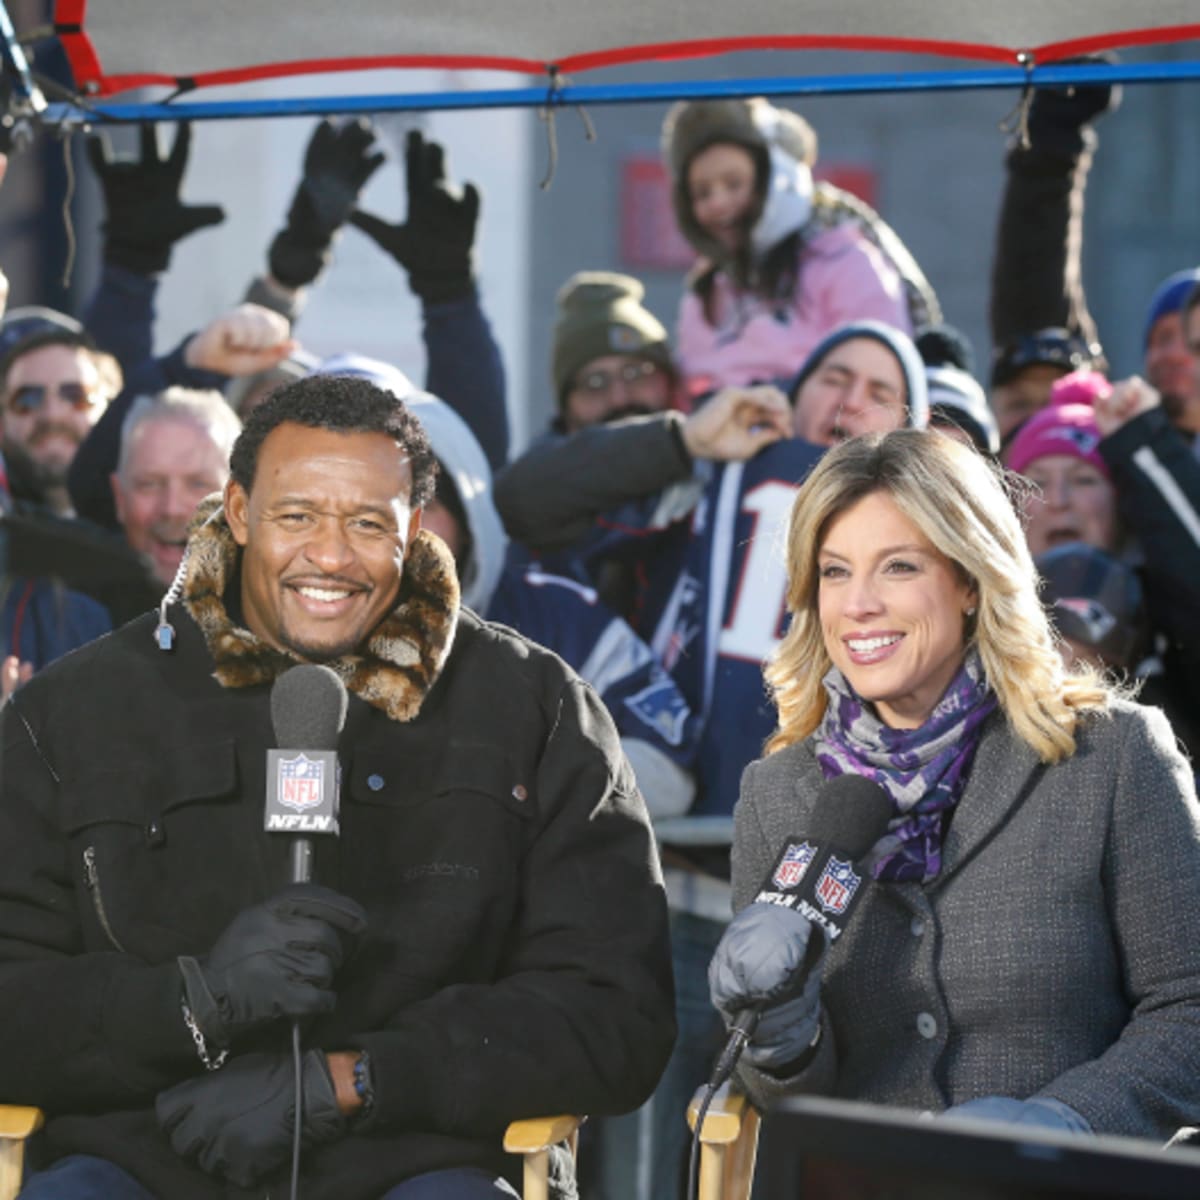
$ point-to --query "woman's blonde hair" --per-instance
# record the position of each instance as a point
(963, 505)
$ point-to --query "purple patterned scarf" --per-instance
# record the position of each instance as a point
(922, 770)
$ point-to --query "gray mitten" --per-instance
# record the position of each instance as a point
(769, 960)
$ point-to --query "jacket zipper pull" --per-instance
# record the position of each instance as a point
(91, 875)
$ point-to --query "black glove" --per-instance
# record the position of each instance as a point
(145, 216)
(1059, 114)
(434, 244)
(770, 959)
(337, 165)
(274, 960)
(238, 1122)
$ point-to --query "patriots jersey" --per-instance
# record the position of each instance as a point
(567, 617)
(715, 621)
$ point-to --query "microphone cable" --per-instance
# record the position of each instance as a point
(739, 1036)
(298, 1124)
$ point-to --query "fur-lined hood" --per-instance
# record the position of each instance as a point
(783, 146)
(402, 657)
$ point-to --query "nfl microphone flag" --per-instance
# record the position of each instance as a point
(302, 791)
(816, 882)
(818, 873)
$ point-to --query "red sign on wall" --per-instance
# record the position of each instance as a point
(650, 237)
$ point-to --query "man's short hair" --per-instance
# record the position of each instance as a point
(201, 407)
(107, 368)
(340, 404)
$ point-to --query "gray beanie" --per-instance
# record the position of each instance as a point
(601, 313)
(900, 344)
(955, 398)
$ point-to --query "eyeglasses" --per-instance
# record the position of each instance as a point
(633, 372)
(31, 396)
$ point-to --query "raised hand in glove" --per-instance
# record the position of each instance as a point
(769, 960)
(238, 1122)
(1058, 115)
(277, 959)
(141, 197)
(435, 243)
(337, 164)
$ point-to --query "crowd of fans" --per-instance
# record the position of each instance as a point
(640, 536)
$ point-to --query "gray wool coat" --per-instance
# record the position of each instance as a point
(1057, 952)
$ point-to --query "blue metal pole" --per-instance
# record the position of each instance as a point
(975, 79)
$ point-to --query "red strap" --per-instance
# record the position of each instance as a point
(14, 646)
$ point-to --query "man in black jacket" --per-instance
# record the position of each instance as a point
(491, 939)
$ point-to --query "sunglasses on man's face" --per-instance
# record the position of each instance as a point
(30, 397)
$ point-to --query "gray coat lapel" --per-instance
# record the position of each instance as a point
(1001, 774)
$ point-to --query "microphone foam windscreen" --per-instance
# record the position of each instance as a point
(308, 708)
(851, 813)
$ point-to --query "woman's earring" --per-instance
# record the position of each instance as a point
(971, 611)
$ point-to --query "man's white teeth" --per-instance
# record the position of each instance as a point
(866, 645)
(325, 594)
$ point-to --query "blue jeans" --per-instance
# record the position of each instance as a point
(83, 1177)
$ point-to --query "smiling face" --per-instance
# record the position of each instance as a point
(892, 609)
(324, 531)
(53, 396)
(721, 187)
(1073, 502)
(170, 466)
(857, 388)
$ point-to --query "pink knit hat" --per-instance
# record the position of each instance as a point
(1084, 386)
(1059, 429)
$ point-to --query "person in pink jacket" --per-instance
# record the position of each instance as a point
(783, 260)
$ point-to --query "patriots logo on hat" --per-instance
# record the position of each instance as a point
(1097, 620)
(791, 867)
(623, 339)
(1081, 439)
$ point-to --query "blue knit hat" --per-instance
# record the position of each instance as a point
(900, 344)
(1169, 297)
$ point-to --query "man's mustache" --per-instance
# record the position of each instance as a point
(48, 429)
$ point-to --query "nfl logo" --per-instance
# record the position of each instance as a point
(300, 781)
(837, 885)
(792, 866)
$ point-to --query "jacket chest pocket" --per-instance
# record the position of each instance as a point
(149, 842)
(440, 838)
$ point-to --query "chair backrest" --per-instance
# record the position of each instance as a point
(17, 1124)
(728, 1143)
(531, 1138)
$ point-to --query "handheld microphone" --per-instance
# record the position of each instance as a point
(308, 711)
(816, 875)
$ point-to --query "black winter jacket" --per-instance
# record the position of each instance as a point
(516, 960)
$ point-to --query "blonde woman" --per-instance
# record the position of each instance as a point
(1027, 949)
